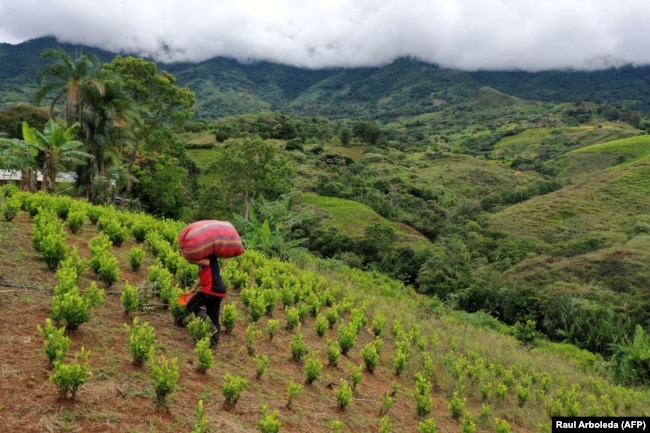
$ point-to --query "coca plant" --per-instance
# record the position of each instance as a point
(49, 238)
(141, 341)
(69, 377)
(164, 375)
(55, 342)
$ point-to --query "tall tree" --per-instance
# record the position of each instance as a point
(108, 120)
(66, 77)
(56, 144)
(162, 104)
(249, 169)
(164, 109)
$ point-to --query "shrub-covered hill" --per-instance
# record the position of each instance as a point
(410, 363)
(589, 240)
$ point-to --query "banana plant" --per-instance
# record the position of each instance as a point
(272, 240)
(57, 146)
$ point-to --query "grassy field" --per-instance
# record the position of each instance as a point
(351, 217)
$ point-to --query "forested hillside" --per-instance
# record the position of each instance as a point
(403, 87)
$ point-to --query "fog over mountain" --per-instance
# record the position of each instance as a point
(529, 35)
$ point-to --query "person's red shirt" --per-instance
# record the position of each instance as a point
(210, 278)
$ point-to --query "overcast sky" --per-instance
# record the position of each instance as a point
(463, 34)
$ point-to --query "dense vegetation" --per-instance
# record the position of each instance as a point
(533, 212)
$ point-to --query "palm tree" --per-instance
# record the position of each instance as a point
(67, 77)
(107, 123)
(57, 145)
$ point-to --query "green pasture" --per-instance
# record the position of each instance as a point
(351, 218)
(633, 148)
(527, 143)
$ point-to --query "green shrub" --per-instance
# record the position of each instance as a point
(130, 298)
(116, 232)
(74, 261)
(141, 341)
(49, 240)
(94, 212)
(423, 402)
(343, 395)
(229, 317)
(136, 256)
(10, 208)
(501, 391)
(69, 377)
(384, 424)
(179, 312)
(76, 218)
(502, 426)
(632, 359)
(140, 228)
(164, 374)
(98, 246)
(298, 347)
(272, 328)
(457, 406)
(427, 426)
(257, 306)
(159, 278)
(313, 369)
(199, 328)
(109, 269)
(270, 422)
(186, 273)
(70, 307)
(321, 325)
(523, 394)
(378, 323)
(347, 336)
(66, 280)
(55, 342)
(270, 297)
(287, 296)
(399, 362)
(293, 391)
(233, 387)
(356, 376)
(204, 354)
(261, 365)
(467, 425)
(370, 356)
(62, 206)
(201, 423)
(94, 295)
(332, 316)
(251, 334)
(333, 352)
(292, 317)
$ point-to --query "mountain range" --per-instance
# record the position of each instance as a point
(404, 87)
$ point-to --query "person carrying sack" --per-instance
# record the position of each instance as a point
(206, 302)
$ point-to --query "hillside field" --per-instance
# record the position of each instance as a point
(471, 368)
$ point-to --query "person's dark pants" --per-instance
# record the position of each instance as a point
(212, 306)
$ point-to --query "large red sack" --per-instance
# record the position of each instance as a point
(202, 238)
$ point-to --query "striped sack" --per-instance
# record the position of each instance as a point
(202, 238)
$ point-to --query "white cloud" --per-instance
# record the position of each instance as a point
(466, 34)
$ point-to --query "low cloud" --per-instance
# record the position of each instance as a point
(463, 34)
